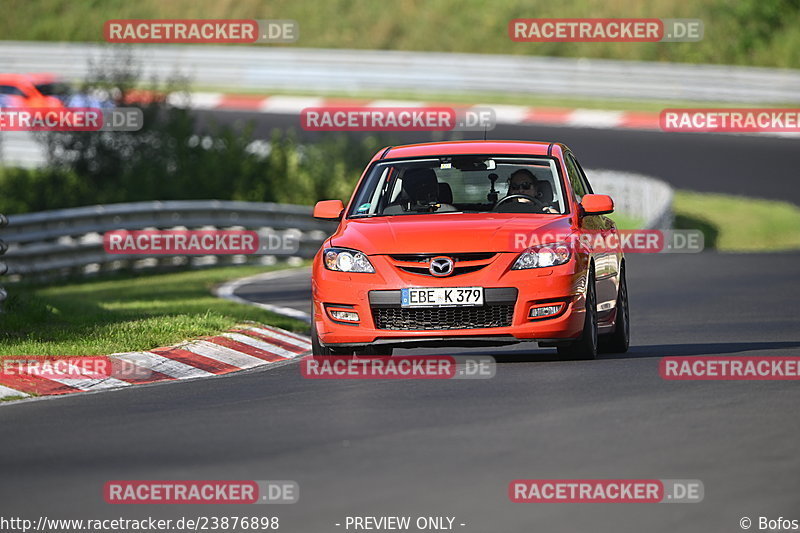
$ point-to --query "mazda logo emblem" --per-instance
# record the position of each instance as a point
(441, 266)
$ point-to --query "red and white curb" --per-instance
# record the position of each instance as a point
(504, 114)
(238, 349)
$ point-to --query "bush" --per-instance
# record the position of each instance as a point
(171, 158)
(27, 190)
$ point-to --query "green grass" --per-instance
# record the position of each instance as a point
(14, 398)
(739, 224)
(125, 313)
(743, 32)
(625, 222)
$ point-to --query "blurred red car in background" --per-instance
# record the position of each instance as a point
(33, 90)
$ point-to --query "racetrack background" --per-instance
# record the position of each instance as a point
(414, 447)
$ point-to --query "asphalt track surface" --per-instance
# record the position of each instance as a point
(450, 448)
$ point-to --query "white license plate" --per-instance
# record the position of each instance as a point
(441, 296)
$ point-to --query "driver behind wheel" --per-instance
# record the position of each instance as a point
(523, 182)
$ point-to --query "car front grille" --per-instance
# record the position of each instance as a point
(426, 258)
(441, 318)
(457, 271)
(463, 263)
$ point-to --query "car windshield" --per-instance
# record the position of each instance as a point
(460, 184)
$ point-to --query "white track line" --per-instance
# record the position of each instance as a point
(592, 118)
(226, 291)
(397, 103)
(197, 100)
(290, 104)
(508, 114)
(302, 338)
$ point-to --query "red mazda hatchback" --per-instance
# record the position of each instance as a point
(469, 243)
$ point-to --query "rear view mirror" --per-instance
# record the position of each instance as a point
(468, 163)
(597, 204)
(329, 210)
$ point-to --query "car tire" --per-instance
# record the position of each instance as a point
(318, 349)
(618, 340)
(585, 347)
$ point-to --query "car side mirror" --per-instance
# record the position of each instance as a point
(597, 204)
(329, 210)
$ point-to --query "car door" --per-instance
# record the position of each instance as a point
(606, 260)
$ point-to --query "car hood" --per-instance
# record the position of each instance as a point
(449, 233)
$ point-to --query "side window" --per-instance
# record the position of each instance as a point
(586, 185)
(10, 89)
(575, 178)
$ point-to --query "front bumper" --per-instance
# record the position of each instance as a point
(509, 295)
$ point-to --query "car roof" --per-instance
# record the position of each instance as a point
(474, 147)
(45, 77)
(34, 78)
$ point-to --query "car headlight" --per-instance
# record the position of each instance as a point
(344, 260)
(543, 255)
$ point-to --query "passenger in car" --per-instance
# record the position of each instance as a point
(420, 193)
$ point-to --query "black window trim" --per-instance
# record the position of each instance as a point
(565, 184)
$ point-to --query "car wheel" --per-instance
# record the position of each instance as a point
(585, 347)
(618, 341)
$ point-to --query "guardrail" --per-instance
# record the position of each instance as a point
(641, 197)
(70, 241)
(3, 266)
(267, 68)
(20, 149)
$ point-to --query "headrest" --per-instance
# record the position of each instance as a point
(421, 185)
(445, 193)
(544, 191)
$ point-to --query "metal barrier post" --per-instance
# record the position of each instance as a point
(3, 266)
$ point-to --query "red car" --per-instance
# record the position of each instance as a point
(469, 243)
(32, 90)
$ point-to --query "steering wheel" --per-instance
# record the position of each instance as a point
(535, 201)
